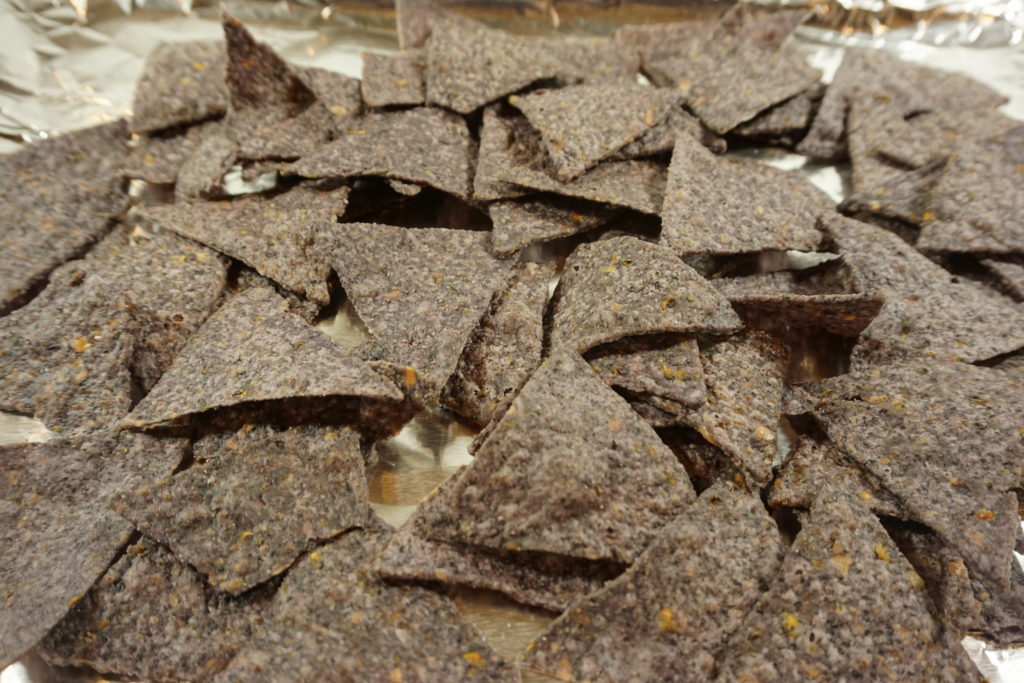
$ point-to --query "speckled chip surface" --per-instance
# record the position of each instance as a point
(580, 125)
(912, 427)
(727, 83)
(390, 80)
(505, 347)
(816, 466)
(846, 603)
(545, 580)
(253, 349)
(910, 87)
(153, 617)
(405, 281)
(927, 312)
(519, 223)
(596, 480)
(744, 376)
(470, 65)
(511, 163)
(669, 615)
(220, 518)
(53, 509)
(409, 632)
(158, 158)
(735, 206)
(623, 287)
(181, 83)
(262, 88)
(59, 196)
(665, 366)
(423, 145)
(277, 235)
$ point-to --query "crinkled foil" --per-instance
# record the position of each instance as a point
(70, 64)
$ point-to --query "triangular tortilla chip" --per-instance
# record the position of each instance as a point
(657, 41)
(927, 311)
(845, 605)
(396, 79)
(745, 378)
(784, 121)
(813, 467)
(104, 325)
(59, 196)
(53, 510)
(928, 137)
(152, 617)
(380, 627)
(825, 297)
(504, 349)
(668, 616)
(624, 287)
(218, 517)
(668, 368)
(870, 121)
(1010, 275)
(158, 158)
(727, 83)
(569, 470)
(511, 159)
(964, 602)
(277, 236)
(262, 88)
(420, 291)
(916, 428)
(736, 206)
(661, 137)
(767, 28)
(202, 174)
(552, 582)
(581, 125)
(252, 349)
(470, 65)
(181, 83)
(422, 145)
(519, 223)
(912, 88)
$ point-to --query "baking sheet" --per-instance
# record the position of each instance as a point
(66, 65)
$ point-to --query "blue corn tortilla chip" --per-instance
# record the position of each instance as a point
(398, 79)
(420, 291)
(736, 206)
(53, 509)
(59, 196)
(597, 481)
(669, 615)
(844, 588)
(623, 287)
(423, 145)
(218, 517)
(253, 349)
(181, 83)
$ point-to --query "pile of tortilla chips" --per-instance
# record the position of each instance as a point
(545, 237)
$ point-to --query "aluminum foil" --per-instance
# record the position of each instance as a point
(67, 64)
